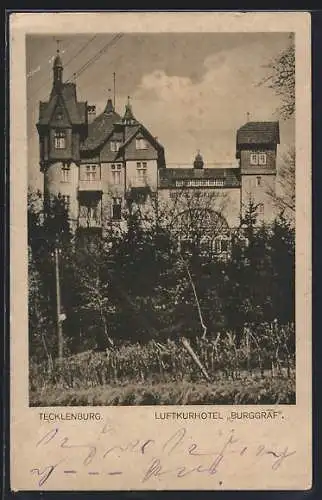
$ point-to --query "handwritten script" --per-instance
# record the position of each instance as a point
(177, 457)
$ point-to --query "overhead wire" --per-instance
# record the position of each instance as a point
(80, 51)
(45, 83)
(67, 63)
(97, 56)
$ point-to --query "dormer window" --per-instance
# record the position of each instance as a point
(60, 139)
(140, 143)
(115, 146)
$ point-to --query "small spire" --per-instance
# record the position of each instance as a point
(248, 116)
(58, 69)
(57, 61)
(109, 108)
(198, 163)
(128, 115)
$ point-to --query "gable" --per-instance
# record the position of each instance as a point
(65, 102)
(60, 116)
(139, 146)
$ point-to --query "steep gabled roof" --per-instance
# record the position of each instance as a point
(101, 128)
(136, 129)
(67, 96)
(258, 133)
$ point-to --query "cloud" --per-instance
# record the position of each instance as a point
(188, 115)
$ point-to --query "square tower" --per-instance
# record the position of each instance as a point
(256, 149)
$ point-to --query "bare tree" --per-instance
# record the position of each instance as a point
(281, 78)
(196, 216)
(284, 194)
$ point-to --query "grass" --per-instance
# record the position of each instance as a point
(268, 390)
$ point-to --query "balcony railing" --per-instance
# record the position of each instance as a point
(90, 222)
(90, 185)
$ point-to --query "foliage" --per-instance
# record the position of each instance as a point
(265, 349)
(138, 284)
(48, 228)
(268, 391)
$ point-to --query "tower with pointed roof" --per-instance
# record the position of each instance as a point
(95, 162)
(62, 125)
(256, 149)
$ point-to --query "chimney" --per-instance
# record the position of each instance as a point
(91, 113)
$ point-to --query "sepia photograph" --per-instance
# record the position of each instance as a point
(160, 249)
(161, 218)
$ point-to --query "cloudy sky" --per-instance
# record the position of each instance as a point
(192, 91)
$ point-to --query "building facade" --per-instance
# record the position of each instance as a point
(95, 163)
(98, 164)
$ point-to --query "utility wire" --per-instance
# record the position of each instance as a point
(45, 83)
(97, 56)
(79, 52)
(68, 62)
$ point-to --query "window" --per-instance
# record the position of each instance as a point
(224, 245)
(221, 245)
(258, 181)
(258, 159)
(141, 168)
(117, 209)
(91, 173)
(89, 213)
(60, 139)
(217, 246)
(219, 182)
(206, 245)
(59, 115)
(116, 169)
(254, 159)
(179, 183)
(140, 143)
(65, 170)
(115, 146)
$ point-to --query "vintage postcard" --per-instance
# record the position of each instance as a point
(160, 235)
